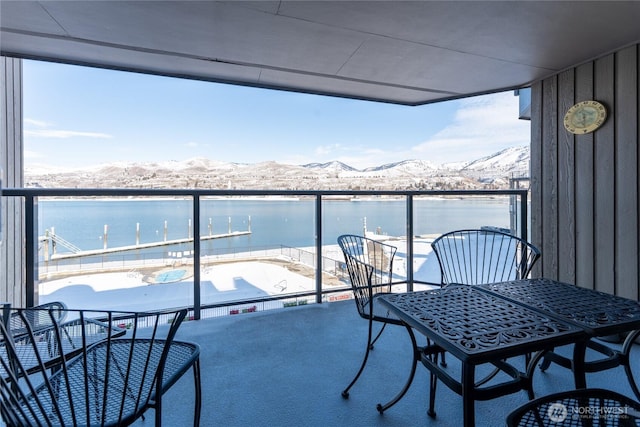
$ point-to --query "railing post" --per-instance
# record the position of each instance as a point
(409, 266)
(31, 248)
(524, 228)
(318, 249)
(524, 215)
(196, 257)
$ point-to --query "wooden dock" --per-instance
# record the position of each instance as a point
(105, 251)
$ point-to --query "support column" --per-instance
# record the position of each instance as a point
(12, 264)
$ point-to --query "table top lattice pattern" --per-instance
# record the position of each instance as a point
(589, 308)
(475, 321)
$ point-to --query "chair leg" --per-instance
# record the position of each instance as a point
(488, 378)
(198, 392)
(527, 361)
(443, 361)
(414, 364)
(546, 362)
(629, 342)
(345, 392)
(158, 410)
(384, 325)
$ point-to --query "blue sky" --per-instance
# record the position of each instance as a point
(78, 116)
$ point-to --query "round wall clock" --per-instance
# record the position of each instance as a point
(585, 117)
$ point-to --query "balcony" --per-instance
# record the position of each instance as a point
(287, 367)
(285, 357)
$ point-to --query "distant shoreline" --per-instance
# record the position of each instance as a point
(268, 198)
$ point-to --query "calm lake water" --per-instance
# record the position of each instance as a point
(272, 222)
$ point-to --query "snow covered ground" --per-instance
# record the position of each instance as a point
(223, 282)
(219, 283)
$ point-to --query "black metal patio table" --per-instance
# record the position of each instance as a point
(478, 327)
(598, 313)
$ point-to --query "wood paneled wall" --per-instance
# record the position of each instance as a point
(12, 271)
(585, 188)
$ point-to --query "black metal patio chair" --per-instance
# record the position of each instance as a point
(370, 267)
(101, 368)
(577, 408)
(475, 257)
(481, 256)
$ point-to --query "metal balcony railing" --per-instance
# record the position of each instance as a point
(518, 212)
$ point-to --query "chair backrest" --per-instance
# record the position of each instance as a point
(96, 368)
(39, 317)
(370, 267)
(474, 257)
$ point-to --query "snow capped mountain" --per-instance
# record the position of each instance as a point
(512, 159)
(334, 166)
(408, 166)
(488, 172)
(197, 163)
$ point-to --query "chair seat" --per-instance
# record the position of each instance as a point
(380, 313)
(579, 408)
(181, 357)
(114, 372)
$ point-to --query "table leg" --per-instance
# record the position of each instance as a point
(414, 363)
(468, 398)
(578, 364)
(531, 368)
(433, 384)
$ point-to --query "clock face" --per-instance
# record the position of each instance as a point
(585, 117)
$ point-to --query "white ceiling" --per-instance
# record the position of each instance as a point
(393, 51)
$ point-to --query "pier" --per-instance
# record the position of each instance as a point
(105, 251)
(52, 238)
